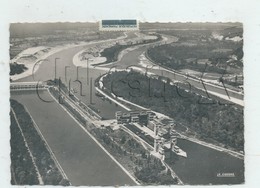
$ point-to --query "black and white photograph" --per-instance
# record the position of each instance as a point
(123, 102)
(116, 101)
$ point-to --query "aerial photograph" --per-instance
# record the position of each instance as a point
(125, 102)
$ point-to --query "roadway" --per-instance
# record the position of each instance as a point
(132, 59)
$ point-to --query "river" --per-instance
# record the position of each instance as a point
(201, 166)
(48, 70)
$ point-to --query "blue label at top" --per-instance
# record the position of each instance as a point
(119, 22)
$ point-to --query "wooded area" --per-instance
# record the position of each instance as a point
(209, 119)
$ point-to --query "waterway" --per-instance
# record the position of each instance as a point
(79, 79)
(201, 167)
(83, 161)
(205, 165)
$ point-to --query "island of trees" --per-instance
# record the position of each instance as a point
(16, 68)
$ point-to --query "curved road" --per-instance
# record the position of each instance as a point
(132, 58)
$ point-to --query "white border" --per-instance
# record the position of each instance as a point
(245, 11)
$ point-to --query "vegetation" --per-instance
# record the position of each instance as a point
(112, 53)
(187, 57)
(26, 35)
(199, 33)
(147, 138)
(17, 68)
(211, 120)
(152, 173)
(198, 47)
(124, 148)
(43, 160)
(146, 168)
(23, 171)
(188, 26)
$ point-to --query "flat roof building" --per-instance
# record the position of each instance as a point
(142, 117)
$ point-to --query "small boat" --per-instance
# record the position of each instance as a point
(179, 151)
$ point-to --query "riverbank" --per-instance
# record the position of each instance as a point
(33, 61)
(113, 53)
(39, 53)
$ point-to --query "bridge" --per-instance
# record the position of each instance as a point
(17, 86)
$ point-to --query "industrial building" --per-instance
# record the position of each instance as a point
(141, 117)
(165, 143)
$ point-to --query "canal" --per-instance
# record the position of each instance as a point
(204, 165)
(83, 161)
(201, 167)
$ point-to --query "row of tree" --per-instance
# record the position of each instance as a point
(179, 56)
(146, 168)
(23, 171)
(46, 165)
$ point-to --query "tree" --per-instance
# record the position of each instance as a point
(64, 182)
(123, 139)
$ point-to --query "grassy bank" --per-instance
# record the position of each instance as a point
(43, 160)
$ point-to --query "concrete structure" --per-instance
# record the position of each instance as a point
(142, 117)
(14, 86)
(165, 143)
(156, 128)
(157, 141)
(163, 133)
